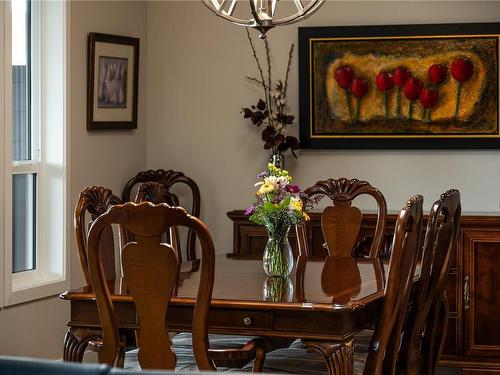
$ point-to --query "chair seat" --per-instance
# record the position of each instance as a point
(296, 360)
(362, 341)
(183, 348)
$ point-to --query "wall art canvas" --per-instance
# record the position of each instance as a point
(405, 86)
(113, 76)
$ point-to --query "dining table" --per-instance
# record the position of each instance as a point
(325, 303)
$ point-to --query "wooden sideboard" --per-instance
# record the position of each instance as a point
(473, 336)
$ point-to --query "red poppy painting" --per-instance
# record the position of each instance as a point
(410, 86)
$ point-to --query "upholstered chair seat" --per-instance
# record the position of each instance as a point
(183, 348)
(297, 360)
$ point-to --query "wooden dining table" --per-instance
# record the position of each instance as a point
(325, 303)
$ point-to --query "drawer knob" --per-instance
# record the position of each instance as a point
(247, 321)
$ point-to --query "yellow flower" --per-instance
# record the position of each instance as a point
(306, 216)
(295, 204)
(266, 187)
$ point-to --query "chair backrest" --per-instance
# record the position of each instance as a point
(341, 222)
(156, 193)
(384, 346)
(150, 269)
(426, 323)
(169, 178)
(93, 202)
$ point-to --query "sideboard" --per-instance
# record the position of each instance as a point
(473, 289)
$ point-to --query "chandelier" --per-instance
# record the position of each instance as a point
(264, 12)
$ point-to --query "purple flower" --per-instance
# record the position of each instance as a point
(263, 175)
(292, 189)
(249, 210)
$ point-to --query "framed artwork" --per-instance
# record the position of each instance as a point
(402, 86)
(112, 82)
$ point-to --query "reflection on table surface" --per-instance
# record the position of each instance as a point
(335, 283)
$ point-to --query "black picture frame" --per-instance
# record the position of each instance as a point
(127, 120)
(311, 139)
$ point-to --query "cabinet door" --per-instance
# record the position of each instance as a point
(481, 293)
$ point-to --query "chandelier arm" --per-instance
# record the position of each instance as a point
(309, 10)
(254, 12)
(235, 20)
(231, 8)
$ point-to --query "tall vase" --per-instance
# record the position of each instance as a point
(278, 256)
(278, 160)
(278, 289)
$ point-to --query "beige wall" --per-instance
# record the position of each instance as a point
(37, 329)
(107, 158)
(196, 87)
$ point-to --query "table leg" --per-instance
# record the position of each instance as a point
(76, 341)
(338, 356)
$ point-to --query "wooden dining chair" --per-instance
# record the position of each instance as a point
(384, 347)
(169, 179)
(341, 222)
(150, 269)
(427, 321)
(92, 202)
(156, 193)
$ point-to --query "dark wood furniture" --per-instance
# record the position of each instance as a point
(150, 268)
(341, 222)
(93, 202)
(327, 306)
(426, 322)
(383, 351)
(169, 178)
(473, 286)
(384, 347)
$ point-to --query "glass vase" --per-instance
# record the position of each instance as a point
(278, 256)
(278, 160)
(278, 289)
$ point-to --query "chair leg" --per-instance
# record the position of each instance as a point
(260, 357)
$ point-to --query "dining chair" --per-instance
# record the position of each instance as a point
(427, 321)
(341, 222)
(92, 202)
(384, 347)
(150, 269)
(169, 179)
(156, 193)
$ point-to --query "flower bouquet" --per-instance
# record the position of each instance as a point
(278, 204)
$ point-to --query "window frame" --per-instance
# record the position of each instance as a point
(41, 282)
(2, 138)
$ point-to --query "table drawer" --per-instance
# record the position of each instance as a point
(240, 319)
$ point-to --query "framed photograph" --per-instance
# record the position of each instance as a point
(403, 86)
(112, 86)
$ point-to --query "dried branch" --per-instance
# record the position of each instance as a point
(290, 55)
(253, 79)
(266, 94)
(268, 56)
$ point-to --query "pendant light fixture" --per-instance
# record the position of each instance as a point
(263, 14)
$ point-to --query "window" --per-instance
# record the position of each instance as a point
(34, 139)
(25, 151)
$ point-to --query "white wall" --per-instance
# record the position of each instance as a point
(196, 87)
(105, 158)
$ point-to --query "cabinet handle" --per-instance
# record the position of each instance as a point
(466, 293)
(247, 321)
